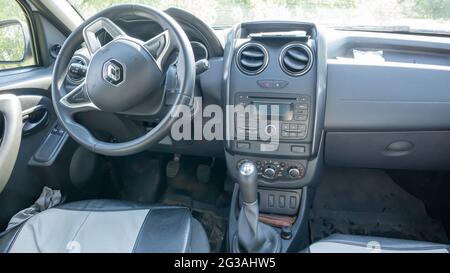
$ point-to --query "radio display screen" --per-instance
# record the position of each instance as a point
(285, 110)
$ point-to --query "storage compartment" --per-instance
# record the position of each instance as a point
(389, 150)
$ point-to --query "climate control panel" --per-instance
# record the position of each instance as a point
(278, 169)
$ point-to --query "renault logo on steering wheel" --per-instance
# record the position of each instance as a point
(113, 72)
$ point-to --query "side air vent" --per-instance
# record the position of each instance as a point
(296, 59)
(77, 69)
(252, 58)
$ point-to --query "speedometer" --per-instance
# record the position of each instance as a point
(200, 51)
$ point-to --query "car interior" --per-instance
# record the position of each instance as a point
(88, 161)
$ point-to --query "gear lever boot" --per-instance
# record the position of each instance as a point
(253, 236)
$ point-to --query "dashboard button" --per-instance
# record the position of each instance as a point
(301, 117)
(298, 149)
(270, 172)
(301, 106)
(243, 145)
(272, 84)
(271, 201)
(303, 98)
(269, 147)
(292, 202)
(294, 173)
(271, 130)
(282, 201)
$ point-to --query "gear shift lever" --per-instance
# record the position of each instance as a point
(253, 236)
(247, 182)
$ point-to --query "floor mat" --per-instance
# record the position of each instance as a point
(369, 202)
(208, 201)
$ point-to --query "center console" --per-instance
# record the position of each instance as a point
(283, 65)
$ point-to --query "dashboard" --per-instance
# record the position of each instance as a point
(351, 99)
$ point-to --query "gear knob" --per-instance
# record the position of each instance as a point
(248, 175)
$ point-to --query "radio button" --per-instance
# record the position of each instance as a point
(271, 130)
(301, 117)
(301, 112)
(302, 106)
(285, 126)
(303, 98)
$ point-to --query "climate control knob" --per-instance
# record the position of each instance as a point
(294, 173)
(270, 172)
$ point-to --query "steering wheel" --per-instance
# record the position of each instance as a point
(122, 74)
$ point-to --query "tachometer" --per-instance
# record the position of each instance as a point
(200, 51)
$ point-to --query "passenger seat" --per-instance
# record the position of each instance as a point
(339, 243)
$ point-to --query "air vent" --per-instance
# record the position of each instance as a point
(296, 59)
(252, 58)
(77, 69)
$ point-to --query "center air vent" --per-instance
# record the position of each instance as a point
(77, 70)
(296, 59)
(252, 58)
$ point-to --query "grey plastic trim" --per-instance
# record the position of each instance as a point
(90, 32)
(11, 112)
(167, 45)
(78, 106)
(37, 78)
(321, 92)
(387, 97)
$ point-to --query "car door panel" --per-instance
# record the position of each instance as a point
(32, 89)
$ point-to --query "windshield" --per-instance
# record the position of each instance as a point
(389, 15)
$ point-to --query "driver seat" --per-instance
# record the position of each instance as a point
(108, 226)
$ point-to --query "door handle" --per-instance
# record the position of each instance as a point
(34, 119)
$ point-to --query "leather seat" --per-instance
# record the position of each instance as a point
(339, 243)
(108, 226)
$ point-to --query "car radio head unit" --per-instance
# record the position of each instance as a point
(291, 113)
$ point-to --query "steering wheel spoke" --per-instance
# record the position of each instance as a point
(78, 100)
(159, 48)
(90, 33)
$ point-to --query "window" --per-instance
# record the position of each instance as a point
(430, 16)
(16, 47)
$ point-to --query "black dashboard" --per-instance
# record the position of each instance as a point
(354, 99)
